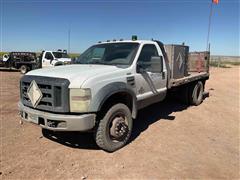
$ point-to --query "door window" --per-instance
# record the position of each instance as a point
(48, 56)
(148, 51)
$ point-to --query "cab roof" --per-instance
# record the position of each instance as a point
(125, 41)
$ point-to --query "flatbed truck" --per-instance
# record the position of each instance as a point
(103, 91)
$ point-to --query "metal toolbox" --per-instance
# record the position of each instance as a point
(198, 61)
(178, 60)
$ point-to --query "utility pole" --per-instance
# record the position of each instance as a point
(69, 39)
(1, 25)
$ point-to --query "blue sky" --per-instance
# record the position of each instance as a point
(29, 25)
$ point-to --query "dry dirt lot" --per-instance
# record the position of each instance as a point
(170, 140)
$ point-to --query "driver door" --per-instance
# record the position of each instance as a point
(47, 59)
(150, 82)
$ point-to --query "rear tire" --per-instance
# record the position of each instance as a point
(196, 93)
(23, 69)
(114, 130)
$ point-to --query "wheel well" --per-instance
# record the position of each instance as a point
(58, 64)
(120, 97)
(201, 80)
(28, 66)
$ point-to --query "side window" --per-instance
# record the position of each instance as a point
(148, 51)
(48, 56)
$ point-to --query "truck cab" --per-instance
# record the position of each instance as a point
(105, 88)
(54, 58)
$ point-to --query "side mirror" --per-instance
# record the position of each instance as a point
(156, 64)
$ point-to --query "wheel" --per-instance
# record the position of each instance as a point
(115, 128)
(23, 69)
(196, 94)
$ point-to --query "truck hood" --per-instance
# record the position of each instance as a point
(64, 59)
(76, 73)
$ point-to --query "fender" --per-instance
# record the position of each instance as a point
(104, 93)
(57, 63)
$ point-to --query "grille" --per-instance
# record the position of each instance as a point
(54, 90)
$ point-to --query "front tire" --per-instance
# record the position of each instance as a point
(114, 130)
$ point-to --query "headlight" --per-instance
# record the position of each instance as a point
(67, 62)
(80, 100)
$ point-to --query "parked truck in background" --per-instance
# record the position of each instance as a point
(54, 58)
(107, 86)
(23, 61)
(27, 61)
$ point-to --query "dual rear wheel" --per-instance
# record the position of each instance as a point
(196, 93)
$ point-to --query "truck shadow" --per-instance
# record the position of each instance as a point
(159, 111)
(146, 117)
(73, 139)
(154, 113)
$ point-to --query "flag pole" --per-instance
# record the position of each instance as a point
(209, 25)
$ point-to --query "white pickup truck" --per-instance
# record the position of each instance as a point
(54, 58)
(107, 86)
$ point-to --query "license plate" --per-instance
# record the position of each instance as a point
(33, 118)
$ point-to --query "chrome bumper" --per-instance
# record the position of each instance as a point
(57, 122)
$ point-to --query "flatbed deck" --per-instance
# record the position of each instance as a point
(193, 76)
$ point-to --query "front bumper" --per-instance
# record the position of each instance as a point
(57, 122)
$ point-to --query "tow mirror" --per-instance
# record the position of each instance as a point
(156, 64)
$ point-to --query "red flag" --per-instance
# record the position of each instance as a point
(215, 1)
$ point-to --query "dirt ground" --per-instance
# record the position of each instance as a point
(169, 140)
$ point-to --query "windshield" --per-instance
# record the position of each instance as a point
(60, 55)
(109, 54)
